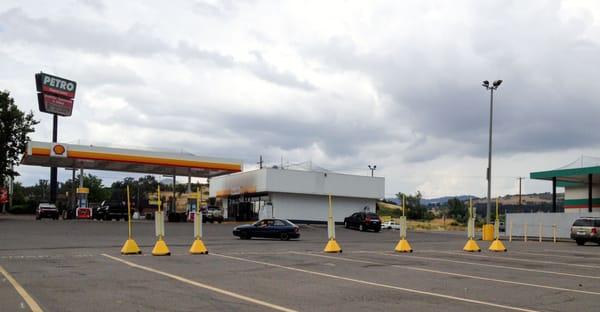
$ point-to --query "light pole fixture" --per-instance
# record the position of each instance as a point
(494, 86)
(372, 169)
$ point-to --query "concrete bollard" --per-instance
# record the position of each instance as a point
(525, 232)
(554, 232)
(510, 231)
(541, 232)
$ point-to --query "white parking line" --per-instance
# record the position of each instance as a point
(543, 254)
(28, 299)
(452, 274)
(34, 257)
(201, 285)
(489, 265)
(521, 260)
(420, 292)
(572, 252)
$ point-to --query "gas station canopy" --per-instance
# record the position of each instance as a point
(92, 157)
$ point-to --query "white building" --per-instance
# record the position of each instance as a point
(297, 195)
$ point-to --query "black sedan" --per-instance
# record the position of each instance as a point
(363, 221)
(268, 228)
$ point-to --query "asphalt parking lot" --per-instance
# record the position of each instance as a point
(76, 266)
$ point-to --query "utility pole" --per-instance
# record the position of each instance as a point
(260, 162)
(520, 178)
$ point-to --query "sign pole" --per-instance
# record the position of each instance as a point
(198, 247)
(160, 248)
(332, 245)
(198, 206)
(128, 214)
(53, 169)
(403, 245)
(55, 96)
(198, 214)
(471, 244)
(497, 245)
(130, 247)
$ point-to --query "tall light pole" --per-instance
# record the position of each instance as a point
(372, 169)
(494, 86)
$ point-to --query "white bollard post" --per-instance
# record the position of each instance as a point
(332, 246)
(510, 231)
(554, 232)
(525, 232)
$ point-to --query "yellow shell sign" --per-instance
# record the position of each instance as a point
(58, 150)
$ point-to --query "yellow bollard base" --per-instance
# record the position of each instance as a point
(332, 246)
(471, 246)
(160, 248)
(130, 248)
(198, 248)
(403, 246)
(497, 246)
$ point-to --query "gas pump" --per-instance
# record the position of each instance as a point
(83, 210)
(191, 209)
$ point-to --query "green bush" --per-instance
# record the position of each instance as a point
(22, 209)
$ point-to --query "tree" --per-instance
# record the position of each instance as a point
(43, 189)
(97, 193)
(414, 209)
(457, 210)
(15, 127)
(19, 195)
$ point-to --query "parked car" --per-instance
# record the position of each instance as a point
(586, 230)
(46, 210)
(113, 209)
(212, 214)
(390, 225)
(268, 228)
(363, 221)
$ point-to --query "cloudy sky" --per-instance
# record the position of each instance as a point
(342, 83)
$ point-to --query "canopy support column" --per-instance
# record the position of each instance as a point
(189, 184)
(590, 192)
(553, 194)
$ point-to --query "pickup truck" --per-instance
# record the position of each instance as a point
(111, 209)
(212, 214)
(45, 210)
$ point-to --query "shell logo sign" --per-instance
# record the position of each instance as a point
(58, 150)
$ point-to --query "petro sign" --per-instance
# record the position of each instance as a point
(56, 94)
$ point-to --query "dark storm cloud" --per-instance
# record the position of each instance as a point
(104, 74)
(186, 52)
(77, 34)
(98, 38)
(334, 135)
(548, 102)
(336, 138)
(221, 9)
(97, 5)
(259, 67)
(269, 73)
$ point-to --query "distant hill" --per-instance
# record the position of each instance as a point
(434, 201)
(527, 199)
(444, 199)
